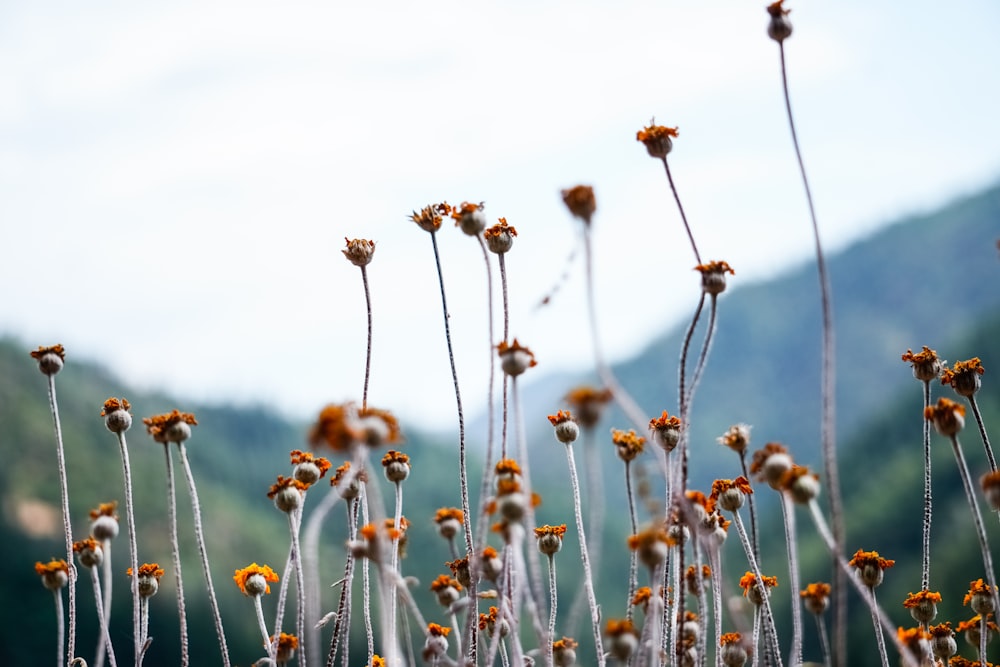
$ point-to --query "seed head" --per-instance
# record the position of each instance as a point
(54, 574)
(816, 597)
(943, 643)
(926, 364)
(567, 430)
(359, 252)
(149, 579)
(104, 521)
(730, 494)
(780, 28)
(515, 358)
(255, 579)
(564, 652)
(947, 416)
(666, 431)
(657, 139)
(550, 538)
(396, 466)
(737, 438)
(734, 650)
(964, 377)
(581, 202)
(801, 484)
(623, 638)
(770, 463)
(286, 647)
(447, 590)
(309, 469)
(287, 493)
(627, 445)
(50, 359)
(922, 605)
(170, 427)
(713, 276)
(991, 489)
(500, 237)
(436, 643)
(469, 218)
(870, 566)
(980, 598)
(89, 552)
(588, 404)
(751, 591)
(429, 217)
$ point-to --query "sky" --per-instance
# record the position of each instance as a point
(177, 178)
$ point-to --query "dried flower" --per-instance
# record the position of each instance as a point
(50, 359)
(567, 430)
(449, 521)
(751, 591)
(870, 567)
(770, 463)
(627, 445)
(429, 217)
(149, 579)
(286, 647)
(89, 551)
(943, 643)
(713, 276)
(359, 252)
(922, 605)
(734, 651)
(116, 415)
(170, 427)
(255, 579)
(564, 652)
(964, 377)
(666, 431)
(926, 364)
(309, 469)
(378, 427)
(780, 28)
(980, 597)
(54, 574)
(588, 404)
(396, 466)
(657, 139)
(651, 546)
(550, 538)
(470, 218)
(816, 597)
(623, 638)
(447, 590)
(287, 493)
(515, 358)
(730, 494)
(104, 521)
(947, 416)
(802, 484)
(500, 237)
(990, 483)
(737, 438)
(580, 201)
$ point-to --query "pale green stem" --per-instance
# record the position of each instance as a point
(199, 534)
(175, 551)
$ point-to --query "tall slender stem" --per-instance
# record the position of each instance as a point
(982, 433)
(753, 508)
(791, 545)
(199, 535)
(879, 635)
(107, 583)
(310, 564)
(394, 559)
(368, 356)
(534, 573)
(133, 548)
(294, 522)
(105, 637)
(925, 563)
(765, 606)
(553, 603)
(342, 624)
(67, 524)
(60, 628)
(175, 551)
(687, 228)
(828, 437)
(824, 639)
(585, 558)
(268, 644)
(633, 569)
(699, 367)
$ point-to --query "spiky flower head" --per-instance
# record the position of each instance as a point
(469, 218)
(170, 427)
(359, 252)
(54, 574)
(50, 359)
(964, 377)
(500, 237)
(926, 364)
(870, 567)
(429, 217)
(751, 590)
(779, 28)
(922, 605)
(666, 431)
(713, 276)
(737, 438)
(255, 579)
(658, 139)
(628, 445)
(515, 358)
(947, 416)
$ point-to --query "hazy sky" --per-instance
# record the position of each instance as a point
(177, 178)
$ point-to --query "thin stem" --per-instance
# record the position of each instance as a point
(633, 557)
(175, 551)
(824, 639)
(294, 523)
(687, 228)
(133, 548)
(791, 545)
(682, 394)
(879, 635)
(585, 558)
(716, 564)
(268, 644)
(983, 629)
(753, 508)
(105, 637)
(368, 356)
(553, 603)
(463, 474)
(504, 660)
(366, 598)
(982, 433)
(506, 334)
(286, 579)
(628, 405)
(106, 548)
(977, 517)
(394, 559)
(145, 628)
(310, 563)
(595, 520)
(534, 573)
(756, 636)
(765, 606)
(67, 527)
(829, 444)
(699, 367)
(199, 535)
(925, 568)
(342, 624)
(60, 628)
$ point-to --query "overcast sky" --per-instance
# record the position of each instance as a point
(177, 178)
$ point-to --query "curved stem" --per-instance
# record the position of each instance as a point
(368, 356)
(829, 444)
(105, 637)
(753, 508)
(199, 535)
(342, 624)
(699, 367)
(765, 606)
(977, 517)
(310, 564)
(175, 551)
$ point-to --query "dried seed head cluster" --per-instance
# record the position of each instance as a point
(870, 567)
(170, 427)
(254, 579)
(713, 276)
(947, 416)
(666, 431)
(359, 252)
(627, 445)
(470, 218)
(964, 377)
(500, 237)
(50, 359)
(658, 139)
(581, 202)
(779, 28)
(926, 364)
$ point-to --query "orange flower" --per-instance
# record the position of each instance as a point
(560, 417)
(914, 600)
(776, 9)
(749, 581)
(105, 509)
(444, 581)
(53, 566)
(42, 350)
(558, 531)
(298, 456)
(254, 570)
(387, 421)
(507, 467)
(148, 570)
(286, 483)
(763, 454)
(628, 445)
(286, 642)
(715, 267)
(947, 416)
(437, 630)
(429, 217)
(334, 428)
(870, 567)
(977, 587)
(500, 228)
(964, 376)
(113, 404)
(615, 627)
(730, 638)
(359, 252)
(86, 544)
(657, 139)
(448, 513)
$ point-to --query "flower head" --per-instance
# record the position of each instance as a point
(149, 579)
(588, 404)
(359, 252)
(947, 416)
(816, 597)
(580, 201)
(964, 377)
(980, 597)
(713, 276)
(922, 605)
(780, 28)
(730, 494)
(751, 591)
(515, 358)
(500, 237)
(657, 139)
(566, 427)
(50, 359)
(870, 567)
(170, 427)
(628, 445)
(926, 364)
(396, 466)
(255, 579)
(286, 645)
(54, 574)
(336, 428)
(309, 469)
(666, 431)
(469, 217)
(801, 483)
(117, 417)
(737, 438)
(287, 493)
(550, 538)
(429, 217)
(438, 630)
(379, 427)
(89, 552)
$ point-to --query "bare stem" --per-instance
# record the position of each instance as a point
(879, 635)
(199, 535)
(133, 548)
(595, 520)
(925, 569)
(633, 558)
(699, 367)
(982, 433)
(824, 639)
(106, 547)
(60, 627)
(368, 356)
(553, 603)
(268, 644)
(394, 559)
(67, 527)
(342, 623)
(829, 444)
(765, 606)
(588, 582)
(310, 563)
(687, 228)
(175, 551)
(105, 638)
(753, 508)
(791, 545)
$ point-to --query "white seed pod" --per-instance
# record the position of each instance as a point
(500, 242)
(288, 499)
(91, 557)
(148, 586)
(732, 499)
(255, 584)
(804, 489)
(871, 575)
(50, 363)
(754, 594)
(734, 655)
(307, 472)
(774, 467)
(396, 471)
(690, 631)
(447, 596)
(491, 568)
(448, 528)
(667, 438)
(177, 432)
(435, 646)
(118, 421)
(924, 612)
(104, 527)
(567, 432)
(622, 645)
(564, 657)
(944, 646)
(55, 579)
(549, 544)
(982, 603)
(690, 657)
(515, 362)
